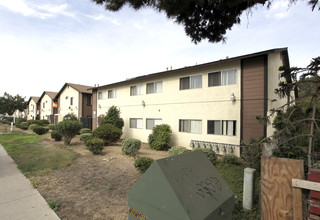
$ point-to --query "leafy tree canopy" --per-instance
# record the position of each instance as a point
(9, 103)
(202, 19)
(113, 117)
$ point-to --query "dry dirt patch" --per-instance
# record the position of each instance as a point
(96, 186)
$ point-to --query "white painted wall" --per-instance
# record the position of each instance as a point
(32, 113)
(64, 102)
(206, 103)
(46, 111)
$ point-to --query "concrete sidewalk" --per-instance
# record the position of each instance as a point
(18, 199)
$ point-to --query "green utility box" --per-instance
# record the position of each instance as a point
(184, 187)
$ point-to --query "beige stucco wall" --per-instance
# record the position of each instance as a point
(47, 109)
(32, 110)
(274, 62)
(172, 104)
(64, 102)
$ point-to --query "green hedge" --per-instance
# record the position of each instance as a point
(108, 133)
(143, 163)
(160, 137)
(131, 146)
(176, 150)
(40, 130)
(95, 145)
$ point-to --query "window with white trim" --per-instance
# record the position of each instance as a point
(112, 94)
(102, 95)
(190, 126)
(154, 87)
(136, 90)
(136, 123)
(222, 127)
(152, 122)
(222, 78)
(191, 82)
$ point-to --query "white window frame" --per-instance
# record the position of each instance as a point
(227, 77)
(138, 91)
(154, 87)
(225, 127)
(102, 95)
(136, 123)
(193, 84)
(112, 94)
(153, 121)
(190, 126)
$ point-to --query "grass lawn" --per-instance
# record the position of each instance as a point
(32, 156)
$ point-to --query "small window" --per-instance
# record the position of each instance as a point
(190, 126)
(136, 90)
(136, 123)
(43, 105)
(222, 78)
(71, 100)
(154, 87)
(112, 94)
(89, 100)
(102, 95)
(191, 82)
(151, 122)
(222, 127)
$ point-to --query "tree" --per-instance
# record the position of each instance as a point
(9, 103)
(299, 124)
(68, 129)
(113, 117)
(202, 19)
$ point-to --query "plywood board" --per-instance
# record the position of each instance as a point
(277, 198)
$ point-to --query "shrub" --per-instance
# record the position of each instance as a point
(85, 131)
(85, 136)
(160, 137)
(70, 116)
(108, 133)
(56, 135)
(131, 146)
(19, 121)
(68, 129)
(24, 125)
(52, 127)
(32, 126)
(209, 153)
(252, 154)
(113, 117)
(176, 150)
(143, 163)
(230, 159)
(38, 122)
(95, 145)
(40, 130)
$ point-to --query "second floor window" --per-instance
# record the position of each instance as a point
(136, 90)
(102, 95)
(154, 87)
(222, 78)
(43, 105)
(89, 100)
(71, 100)
(191, 82)
(112, 94)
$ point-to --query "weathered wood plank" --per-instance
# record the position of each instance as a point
(278, 201)
(305, 184)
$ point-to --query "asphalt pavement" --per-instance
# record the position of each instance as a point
(18, 199)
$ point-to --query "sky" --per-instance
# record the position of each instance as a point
(45, 43)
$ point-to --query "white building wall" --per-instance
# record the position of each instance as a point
(45, 111)
(64, 102)
(172, 104)
(274, 62)
(32, 113)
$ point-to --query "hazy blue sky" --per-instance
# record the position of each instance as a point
(45, 43)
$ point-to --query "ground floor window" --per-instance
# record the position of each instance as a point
(190, 126)
(222, 127)
(135, 122)
(152, 122)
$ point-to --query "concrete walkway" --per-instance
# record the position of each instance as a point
(18, 199)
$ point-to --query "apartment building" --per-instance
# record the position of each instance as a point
(212, 105)
(33, 108)
(47, 105)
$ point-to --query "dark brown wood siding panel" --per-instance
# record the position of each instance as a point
(87, 109)
(253, 97)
